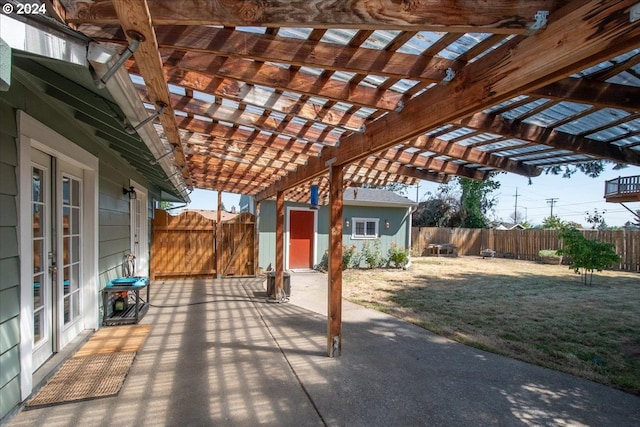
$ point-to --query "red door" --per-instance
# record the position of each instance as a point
(301, 239)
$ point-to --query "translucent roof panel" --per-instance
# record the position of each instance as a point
(295, 33)
(462, 45)
(420, 42)
(379, 39)
(342, 37)
(595, 120)
(457, 133)
(524, 109)
(556, 112)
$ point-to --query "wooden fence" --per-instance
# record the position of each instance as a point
(523, 244)
(185, 246)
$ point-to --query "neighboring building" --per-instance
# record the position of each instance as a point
(212, 215)
(507, 226)
(368, 214)
(67, 212)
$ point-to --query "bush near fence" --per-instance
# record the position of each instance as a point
(523, 244)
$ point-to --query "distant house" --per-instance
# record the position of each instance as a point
(508, 226)
(368, 214)
(213, 215)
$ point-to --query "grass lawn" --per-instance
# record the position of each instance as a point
(537, 313)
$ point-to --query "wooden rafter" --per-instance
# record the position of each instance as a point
(240, 117)
(593, 92)
(551, 137)
(598, 31)
(473, 155)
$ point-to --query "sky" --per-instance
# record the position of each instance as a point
(575, 196)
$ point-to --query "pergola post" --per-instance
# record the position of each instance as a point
(334, 315)
(278, 291)
(219, 236)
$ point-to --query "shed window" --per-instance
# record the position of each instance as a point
(365, 228)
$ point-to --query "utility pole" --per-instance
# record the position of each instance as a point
(552, 201)
(515, 209)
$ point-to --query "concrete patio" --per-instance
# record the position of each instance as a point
(219, 354)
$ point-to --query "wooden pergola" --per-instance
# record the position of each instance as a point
(266, 97)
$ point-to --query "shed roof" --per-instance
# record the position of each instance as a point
(375, 197)
(261, 95)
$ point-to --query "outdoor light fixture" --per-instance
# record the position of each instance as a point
(131, 192)
(386, 223)
(347, 223)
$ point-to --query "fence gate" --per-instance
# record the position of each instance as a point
(185, 246)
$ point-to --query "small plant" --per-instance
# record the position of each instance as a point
(349, 258)
(586, 255)
(323, 265)
(349, 255)
(371, 255)
(398, 256)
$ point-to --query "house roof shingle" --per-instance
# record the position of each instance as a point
(374, 197)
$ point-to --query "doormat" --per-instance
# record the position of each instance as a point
(84, 378)
(97, 370)
(114, 339)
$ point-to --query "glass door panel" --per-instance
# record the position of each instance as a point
(41, 246)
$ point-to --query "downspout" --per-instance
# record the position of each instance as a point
(410, 211)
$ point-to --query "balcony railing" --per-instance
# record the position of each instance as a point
(627, 188)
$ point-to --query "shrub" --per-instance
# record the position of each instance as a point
(371, 254)
(550, 256)
(349, 255)
(586, 255)
(398, 256)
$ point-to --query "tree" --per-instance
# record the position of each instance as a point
(517, 217)
(592, 169)
(586, 255)
(395, 187)
(476, 201)
(439, 210)
(461, 203)
(596, 219)
(552, 222)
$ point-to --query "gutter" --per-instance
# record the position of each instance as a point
(101, 58)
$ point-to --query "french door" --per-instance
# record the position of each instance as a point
(56, 242)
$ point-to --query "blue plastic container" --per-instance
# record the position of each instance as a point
(128, 281)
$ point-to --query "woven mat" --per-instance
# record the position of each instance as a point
(115, 339)
(86, 377)
(98, 369)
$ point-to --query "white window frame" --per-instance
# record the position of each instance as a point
(355, 236)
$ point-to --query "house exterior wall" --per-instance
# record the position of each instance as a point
(9, 264)
(398, 232)
(113, 218)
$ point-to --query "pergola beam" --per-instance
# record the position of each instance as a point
(508, 17)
